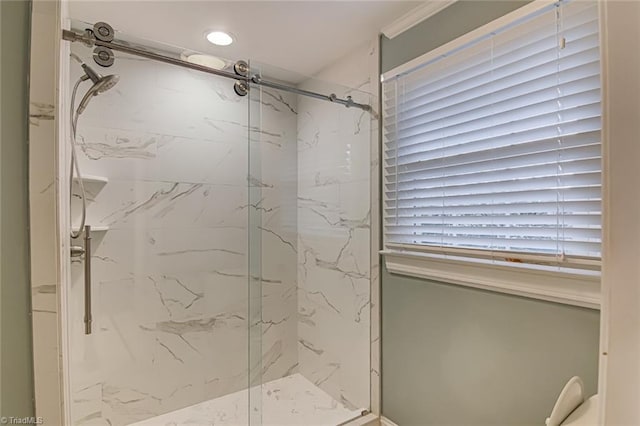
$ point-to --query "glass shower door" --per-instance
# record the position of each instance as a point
(231, 249)
(259, 200)
(164, 158)
(310, 244)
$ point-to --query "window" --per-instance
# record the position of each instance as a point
(492, 143)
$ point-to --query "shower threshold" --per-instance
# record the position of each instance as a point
(289, 401)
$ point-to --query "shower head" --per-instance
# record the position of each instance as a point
(100, 85)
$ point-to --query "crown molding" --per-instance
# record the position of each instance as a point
(415, 16)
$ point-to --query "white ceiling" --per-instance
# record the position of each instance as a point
(299, 36)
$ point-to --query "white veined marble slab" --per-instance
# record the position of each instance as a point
(291, 400)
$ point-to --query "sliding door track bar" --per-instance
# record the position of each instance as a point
(241, 76)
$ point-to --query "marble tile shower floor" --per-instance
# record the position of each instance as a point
(289, 401)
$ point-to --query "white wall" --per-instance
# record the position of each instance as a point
(620, 358)
(43, 210)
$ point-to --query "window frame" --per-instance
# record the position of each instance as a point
(576, 287)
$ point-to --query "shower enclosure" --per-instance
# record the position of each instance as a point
(231, 247)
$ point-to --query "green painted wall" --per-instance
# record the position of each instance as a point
(454, 355)
(16, 363)
(452, 22)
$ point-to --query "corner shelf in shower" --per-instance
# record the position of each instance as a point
(93, 179)
(100, 228)
(96, 180)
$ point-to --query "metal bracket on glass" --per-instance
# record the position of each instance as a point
(103, 32)
(241, 68)
(241, 88)
(102, 55)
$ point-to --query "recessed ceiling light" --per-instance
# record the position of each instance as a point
(220, 38)
(204, 60)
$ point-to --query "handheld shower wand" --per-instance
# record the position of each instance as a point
(100, 85)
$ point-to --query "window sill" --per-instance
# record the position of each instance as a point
(571, 288)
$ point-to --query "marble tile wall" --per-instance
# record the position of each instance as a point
(334, 242)
(170, 273)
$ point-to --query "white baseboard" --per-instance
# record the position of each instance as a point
(386, 422)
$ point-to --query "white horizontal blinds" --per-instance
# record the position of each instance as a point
(496, 146)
